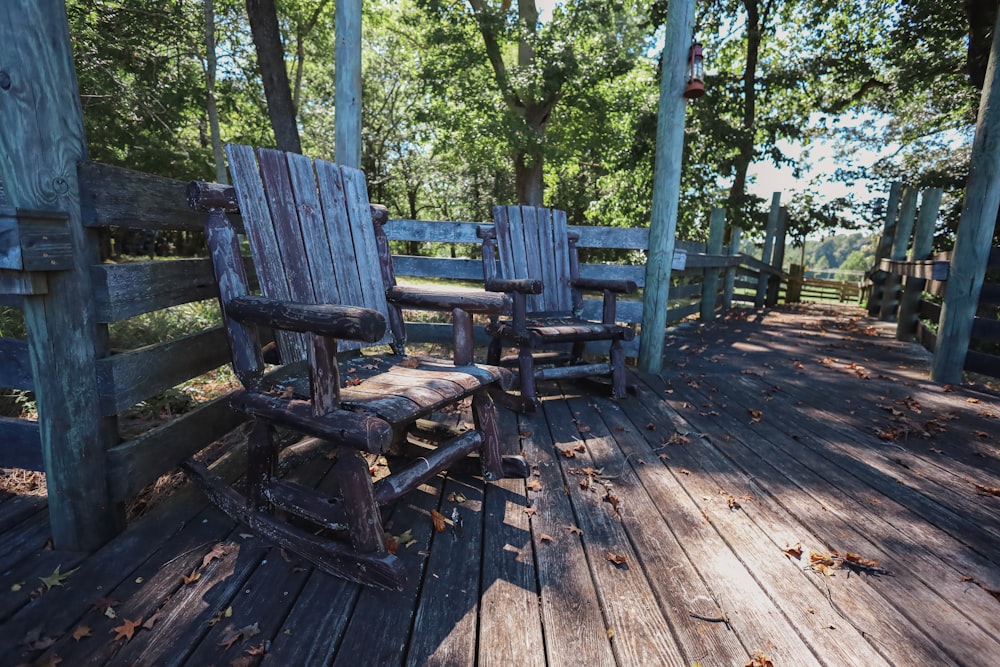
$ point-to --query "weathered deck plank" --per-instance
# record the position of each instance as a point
(708, 494)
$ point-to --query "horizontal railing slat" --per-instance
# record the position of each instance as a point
(15, 366)
(128, 378)
(22, 444)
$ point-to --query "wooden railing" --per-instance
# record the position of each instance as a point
(917, 307)
(112, 197)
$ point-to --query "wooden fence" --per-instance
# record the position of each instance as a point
(121, 199)
(917, 307)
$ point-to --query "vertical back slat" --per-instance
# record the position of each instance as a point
(505, 249)
(531, 256)
(262, 237)
(363, 232)
(561, 259)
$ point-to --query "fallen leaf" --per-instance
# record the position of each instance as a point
(533, 485)
(617, 559)
(256, 650)
(354, 380)
(611, 633)
(457, 497)
(568, 453)
(988, 490)
(243, 633)
(650, 426)
(126, 630)
(983, 434)
(16, 587)
(573, 530)
(217, 551)
(57, 578)
(530, 511)
(545, 538)
(970, 399)
(794, 552)
(151, 621)
(191, 578)
(755, 415)
(410, 362)
(439, 521)
(81, 632)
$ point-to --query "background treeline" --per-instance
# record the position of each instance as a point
(477, 102)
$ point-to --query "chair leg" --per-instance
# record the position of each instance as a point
(526, 372)
(262, 457)
(484, 415)
(494, 351)
(363, 518)
(576, 354)
(619, 388)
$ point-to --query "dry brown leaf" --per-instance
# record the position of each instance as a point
(410, 362)
(530, 511)
(983, 434)
(573, 530)
(544, 537)
(151, 621)
(256, 650)
(793, 552)
(217, 551)
(970, 399)
(191, 578)
(352, 381)
(533, 485)
(650, 426)
(760, 660)
(988, 490)
(568, 453)
(582, 428)
(81, 632)
(755, 415)
(617, 559)
(439, 521)
(127, 629)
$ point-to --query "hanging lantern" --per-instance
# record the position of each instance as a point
(696, 74)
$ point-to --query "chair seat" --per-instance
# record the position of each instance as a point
(560, 329)
(395, 388)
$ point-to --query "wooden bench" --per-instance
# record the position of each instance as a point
(329, 292)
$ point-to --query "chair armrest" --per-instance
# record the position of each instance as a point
(469, 300)
(346, 322)
(522, 285)
(619, 286)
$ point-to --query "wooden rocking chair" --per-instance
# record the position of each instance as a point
(530, 253)
(327, 287)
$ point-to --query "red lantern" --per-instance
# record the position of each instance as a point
(696, 74)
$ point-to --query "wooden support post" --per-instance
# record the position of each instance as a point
(710, 281)
(40, 144)
(975, 231)
(923, 240)
(765, 255)
(734, 249)
(347, 83)
(900, 243)
(666, 182)
(777, 258)
(884, 247)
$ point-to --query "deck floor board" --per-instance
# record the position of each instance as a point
(806, 425)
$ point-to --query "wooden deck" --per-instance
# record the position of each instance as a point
(653, 533)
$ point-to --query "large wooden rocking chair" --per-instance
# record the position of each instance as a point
(530, 253)
(328, 288)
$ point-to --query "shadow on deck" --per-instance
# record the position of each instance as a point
(657, 530)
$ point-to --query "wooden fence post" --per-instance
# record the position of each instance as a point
(796, 276)
(874, 304)
(734, 249)
(347, 82)
(777, 258)
(679, 26)
(923, 240)
(975, 231)
(710, 282)
(765, 255)
(40, 144)
(900, 243)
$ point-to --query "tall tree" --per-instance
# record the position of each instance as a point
(271, 60)
(534, 66)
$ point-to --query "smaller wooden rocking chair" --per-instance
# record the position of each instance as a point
(530, 253)
(323, 264)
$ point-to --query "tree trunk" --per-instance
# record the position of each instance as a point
(528, 177)
(213, 109)
(746, 142)
(271, 60)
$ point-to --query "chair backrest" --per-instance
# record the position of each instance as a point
(534, 242)
(311, 234)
